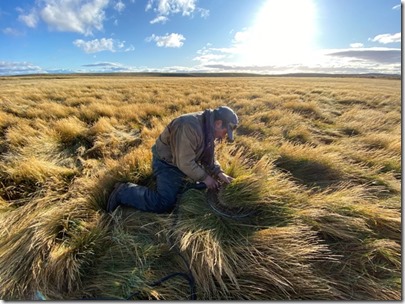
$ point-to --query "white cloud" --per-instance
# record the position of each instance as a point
(80, 16)
(159, 19)
(103, 64)
(209, 54)
(170, 7)
(103, 44)
(111, 67)
(95, 45)
(119, 6)
(397, 7)
(167, 7)
(107, 67)
(207, 58)
(11, 31)
(31, 19)
(387, 38)
(204, 13)
(172, 40)
(241, 37)
(19, 68)
(357, 45)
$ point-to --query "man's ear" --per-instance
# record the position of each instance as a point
(218, 124)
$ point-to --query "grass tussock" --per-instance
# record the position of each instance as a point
(313, 213)
(36, 170)
(69, 129)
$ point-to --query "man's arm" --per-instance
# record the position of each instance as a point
(187, 141)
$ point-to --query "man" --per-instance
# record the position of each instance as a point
(184, 149)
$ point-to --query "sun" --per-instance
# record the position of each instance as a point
(283, 32)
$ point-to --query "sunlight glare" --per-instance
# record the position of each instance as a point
(283, 32)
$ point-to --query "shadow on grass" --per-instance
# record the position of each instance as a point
(310, 173)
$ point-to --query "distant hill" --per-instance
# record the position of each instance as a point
(142, 74)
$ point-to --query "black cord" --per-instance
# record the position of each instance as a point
(188, 276)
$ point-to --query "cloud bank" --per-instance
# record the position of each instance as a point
(377, 55)
(18, 68)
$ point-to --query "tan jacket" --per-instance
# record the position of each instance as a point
(181, 144)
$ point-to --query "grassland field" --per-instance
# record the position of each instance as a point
(316, 160)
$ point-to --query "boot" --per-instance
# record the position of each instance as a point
(113, 202)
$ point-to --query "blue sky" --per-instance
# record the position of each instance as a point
(257, 36)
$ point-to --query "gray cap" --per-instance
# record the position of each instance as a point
(229, 117)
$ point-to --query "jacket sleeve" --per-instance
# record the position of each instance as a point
(215, 169)
(187, 141)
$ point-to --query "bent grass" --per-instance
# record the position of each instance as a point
(316, 161)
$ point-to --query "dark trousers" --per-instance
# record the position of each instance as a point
(170, 181)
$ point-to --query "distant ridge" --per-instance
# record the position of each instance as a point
(155, 74)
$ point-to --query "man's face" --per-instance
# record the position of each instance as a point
(219, 132)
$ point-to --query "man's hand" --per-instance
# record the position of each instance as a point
(225, 178)
(211, 183)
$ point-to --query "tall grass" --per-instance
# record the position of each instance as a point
(314, 211)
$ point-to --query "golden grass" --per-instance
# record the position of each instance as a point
(68, 129)
(317, 167)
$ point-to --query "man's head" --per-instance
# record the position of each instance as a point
(225, 122)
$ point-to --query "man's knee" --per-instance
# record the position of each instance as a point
(166, 204)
